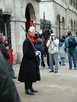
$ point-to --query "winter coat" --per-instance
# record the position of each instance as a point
(39, 47)
(29, 70)
(8, 92)
(53, 46)
(69, 50)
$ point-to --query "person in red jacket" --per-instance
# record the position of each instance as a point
(10, 60)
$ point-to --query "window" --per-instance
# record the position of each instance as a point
(74, 25)
(63, 23)
(71, 24)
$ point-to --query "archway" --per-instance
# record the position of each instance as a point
(30, 15)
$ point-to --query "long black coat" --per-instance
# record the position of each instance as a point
(8, 92)
(29, 69)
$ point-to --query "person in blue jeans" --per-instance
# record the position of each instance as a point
(71, 51)
(72, 57)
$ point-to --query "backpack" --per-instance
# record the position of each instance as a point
(72, 42)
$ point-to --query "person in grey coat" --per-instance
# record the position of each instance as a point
(8, 92)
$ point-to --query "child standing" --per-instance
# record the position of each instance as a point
(10, 61)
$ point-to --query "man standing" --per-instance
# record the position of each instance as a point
(70, 44)
(53, 53)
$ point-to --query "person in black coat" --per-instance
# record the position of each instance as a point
(29, 69)
(39, 47)
(8, 92)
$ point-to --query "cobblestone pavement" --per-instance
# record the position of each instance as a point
(59, 87)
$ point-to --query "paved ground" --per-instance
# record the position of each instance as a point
(59, 87)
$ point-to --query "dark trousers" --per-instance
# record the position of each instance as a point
(28, 85)
(72, 58)
(42, 60)
(47, 53)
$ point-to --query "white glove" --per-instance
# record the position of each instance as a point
(37, 53)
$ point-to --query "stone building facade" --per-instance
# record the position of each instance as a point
(61, 13)
(13, 15)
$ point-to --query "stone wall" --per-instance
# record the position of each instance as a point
(64, 10)
(16, 8)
